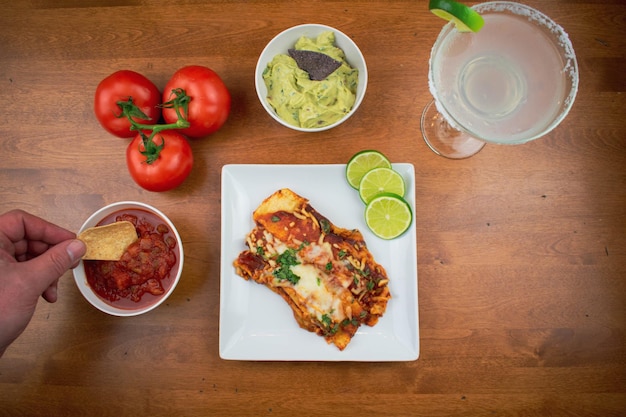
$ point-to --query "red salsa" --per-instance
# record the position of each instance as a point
(146, 269)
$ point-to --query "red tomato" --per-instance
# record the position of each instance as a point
(210, 100)
(170, 166)
(119, 86)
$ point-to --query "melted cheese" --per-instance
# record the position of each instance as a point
(318, 253)
(319, 299)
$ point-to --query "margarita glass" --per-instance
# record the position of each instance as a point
(511, 82)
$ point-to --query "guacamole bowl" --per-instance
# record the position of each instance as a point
(114, 289)
(280, 45)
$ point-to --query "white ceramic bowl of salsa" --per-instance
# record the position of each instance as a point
(285, 40)
(125, 306)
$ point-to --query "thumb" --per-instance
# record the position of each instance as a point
(45, 269)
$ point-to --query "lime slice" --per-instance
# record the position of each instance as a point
(388, 215)
(465, 18)
(380, 180)
(362, 162)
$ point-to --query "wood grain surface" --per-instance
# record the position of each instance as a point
(521, 250)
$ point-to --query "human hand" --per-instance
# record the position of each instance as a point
(34, 254)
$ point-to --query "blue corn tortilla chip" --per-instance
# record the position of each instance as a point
(318, 65)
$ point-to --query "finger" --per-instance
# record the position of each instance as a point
(25, 250)
(48, 267)
(50, 294)
(19, 225)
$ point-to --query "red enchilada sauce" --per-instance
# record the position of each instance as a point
(145, 270)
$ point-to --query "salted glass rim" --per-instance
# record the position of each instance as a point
(565, 48)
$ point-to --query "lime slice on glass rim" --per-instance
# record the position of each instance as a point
(388, 215)
(464, 17)
(380, 180)
(361, 163)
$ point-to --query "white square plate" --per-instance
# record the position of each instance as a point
(257, 324)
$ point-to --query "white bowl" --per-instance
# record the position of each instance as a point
(79, 271)
(286, 40)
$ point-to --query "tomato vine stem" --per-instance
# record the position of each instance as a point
(130, 110)
(150, 149)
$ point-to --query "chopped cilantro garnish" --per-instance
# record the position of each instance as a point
(329, 266)
(370, 285)
(341, 254)
(325, 225)
(353, 322)
(286, 260)
(284, 273)
(275, 218)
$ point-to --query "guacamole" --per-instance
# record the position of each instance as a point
(303, 102)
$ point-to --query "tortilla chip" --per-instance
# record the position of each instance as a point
(318, 65)
(108, 242)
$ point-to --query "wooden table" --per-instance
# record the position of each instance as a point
(521, 250)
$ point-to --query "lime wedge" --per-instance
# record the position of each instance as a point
(380, 180)
(388, 215)
(465, 18)
(363, 162)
